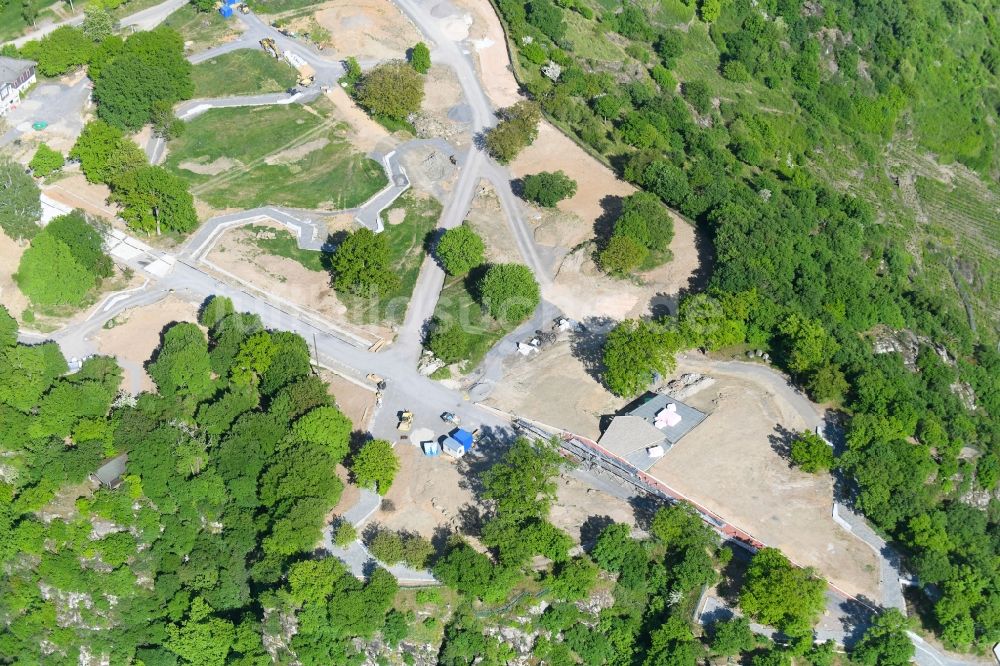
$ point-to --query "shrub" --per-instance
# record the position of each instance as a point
(663, 78)
(393, 90)
(548, 188)
(698, 95)
(361, 265)
(448, 340)
(387, 546)
(46, 161)
(622, 255)
(345, 533)
(509, 292)
(460, 250)
(811, 454)
(420, 58)
(735, 71)
(517, 129)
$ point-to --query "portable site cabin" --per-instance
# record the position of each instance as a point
(453, 447)
(463, 437)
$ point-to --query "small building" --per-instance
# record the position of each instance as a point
(463, 437)
(646, 432)
(111, 473)
(453, 447)
(16, 76)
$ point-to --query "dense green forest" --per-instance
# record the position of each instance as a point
(765, 123)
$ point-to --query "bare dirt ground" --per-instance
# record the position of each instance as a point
(236, 253)
(429, 170)
(554, 151)
(582, 290)
(354, 401)
(576, 504)
(444, 113)
(486, 218)
(10, 294)
(492, 59)
(368, 29)
(730, 465)
(427, 493)
(363, 133)
(136, 335)
(553, 387)
(74, 190)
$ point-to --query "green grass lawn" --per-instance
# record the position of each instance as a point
(132, 6)
(286, 155)
(457, 303)
(407, 241)
(285, 244)
(244, 72)
(12, 23)
(280, 6)
(202, 29)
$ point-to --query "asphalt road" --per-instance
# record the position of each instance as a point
(57, 104)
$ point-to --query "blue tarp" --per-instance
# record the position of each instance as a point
(226, 11)
(464, 437)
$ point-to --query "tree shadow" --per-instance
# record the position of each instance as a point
(855, 618)
(732, 575)
(440, 541)
(473, 280)
(591, 529)
(604, 225)
(781, 442)
(517, 187)
(470, 519)
(645, 507)
(493, 444)
(587, 344)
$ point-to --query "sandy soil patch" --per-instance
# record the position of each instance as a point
(554, 151)
(363, 133)
(295, 154)
(729, 465)
(341, 222)
(396, 216)
(553, 387)
(213, 168)
(426, 493)
(429, 170)
(10, 294)
(444, 113)
(237, 254)
(486, 217)
(74, 190)
(369, 29)
(576, 503)
(136, 334)
(490, 48)
(582, 290)
(354, 401)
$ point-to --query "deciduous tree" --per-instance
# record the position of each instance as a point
(460, 250)
(375, 465)
(510, 292)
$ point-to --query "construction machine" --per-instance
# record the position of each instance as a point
(306, 81)
(405, 421)
(243, 7)
(270, 47)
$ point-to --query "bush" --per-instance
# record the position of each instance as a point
(460, 250)
(735, 71)
(375, 465)
(361, 265)
(509, 292)
(548, 188)
(622, 255)
(420, 58)
(811, 454)
(46, 161)
(393, 90)
(387, 546)
(448, 341)
(698, 95)
(663, 78)
(517, 129)
(345, 533)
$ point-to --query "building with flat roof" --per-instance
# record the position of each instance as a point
(645, 433)
(15, 77)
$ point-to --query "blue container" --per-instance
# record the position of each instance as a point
(226, 11)
(463, 437)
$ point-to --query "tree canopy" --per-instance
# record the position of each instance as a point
(509, 291)
(360, 265)
(392, 89)
(20, 203)
(460, 250)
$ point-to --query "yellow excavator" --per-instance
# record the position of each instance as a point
(405, 421)
(270, 47)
